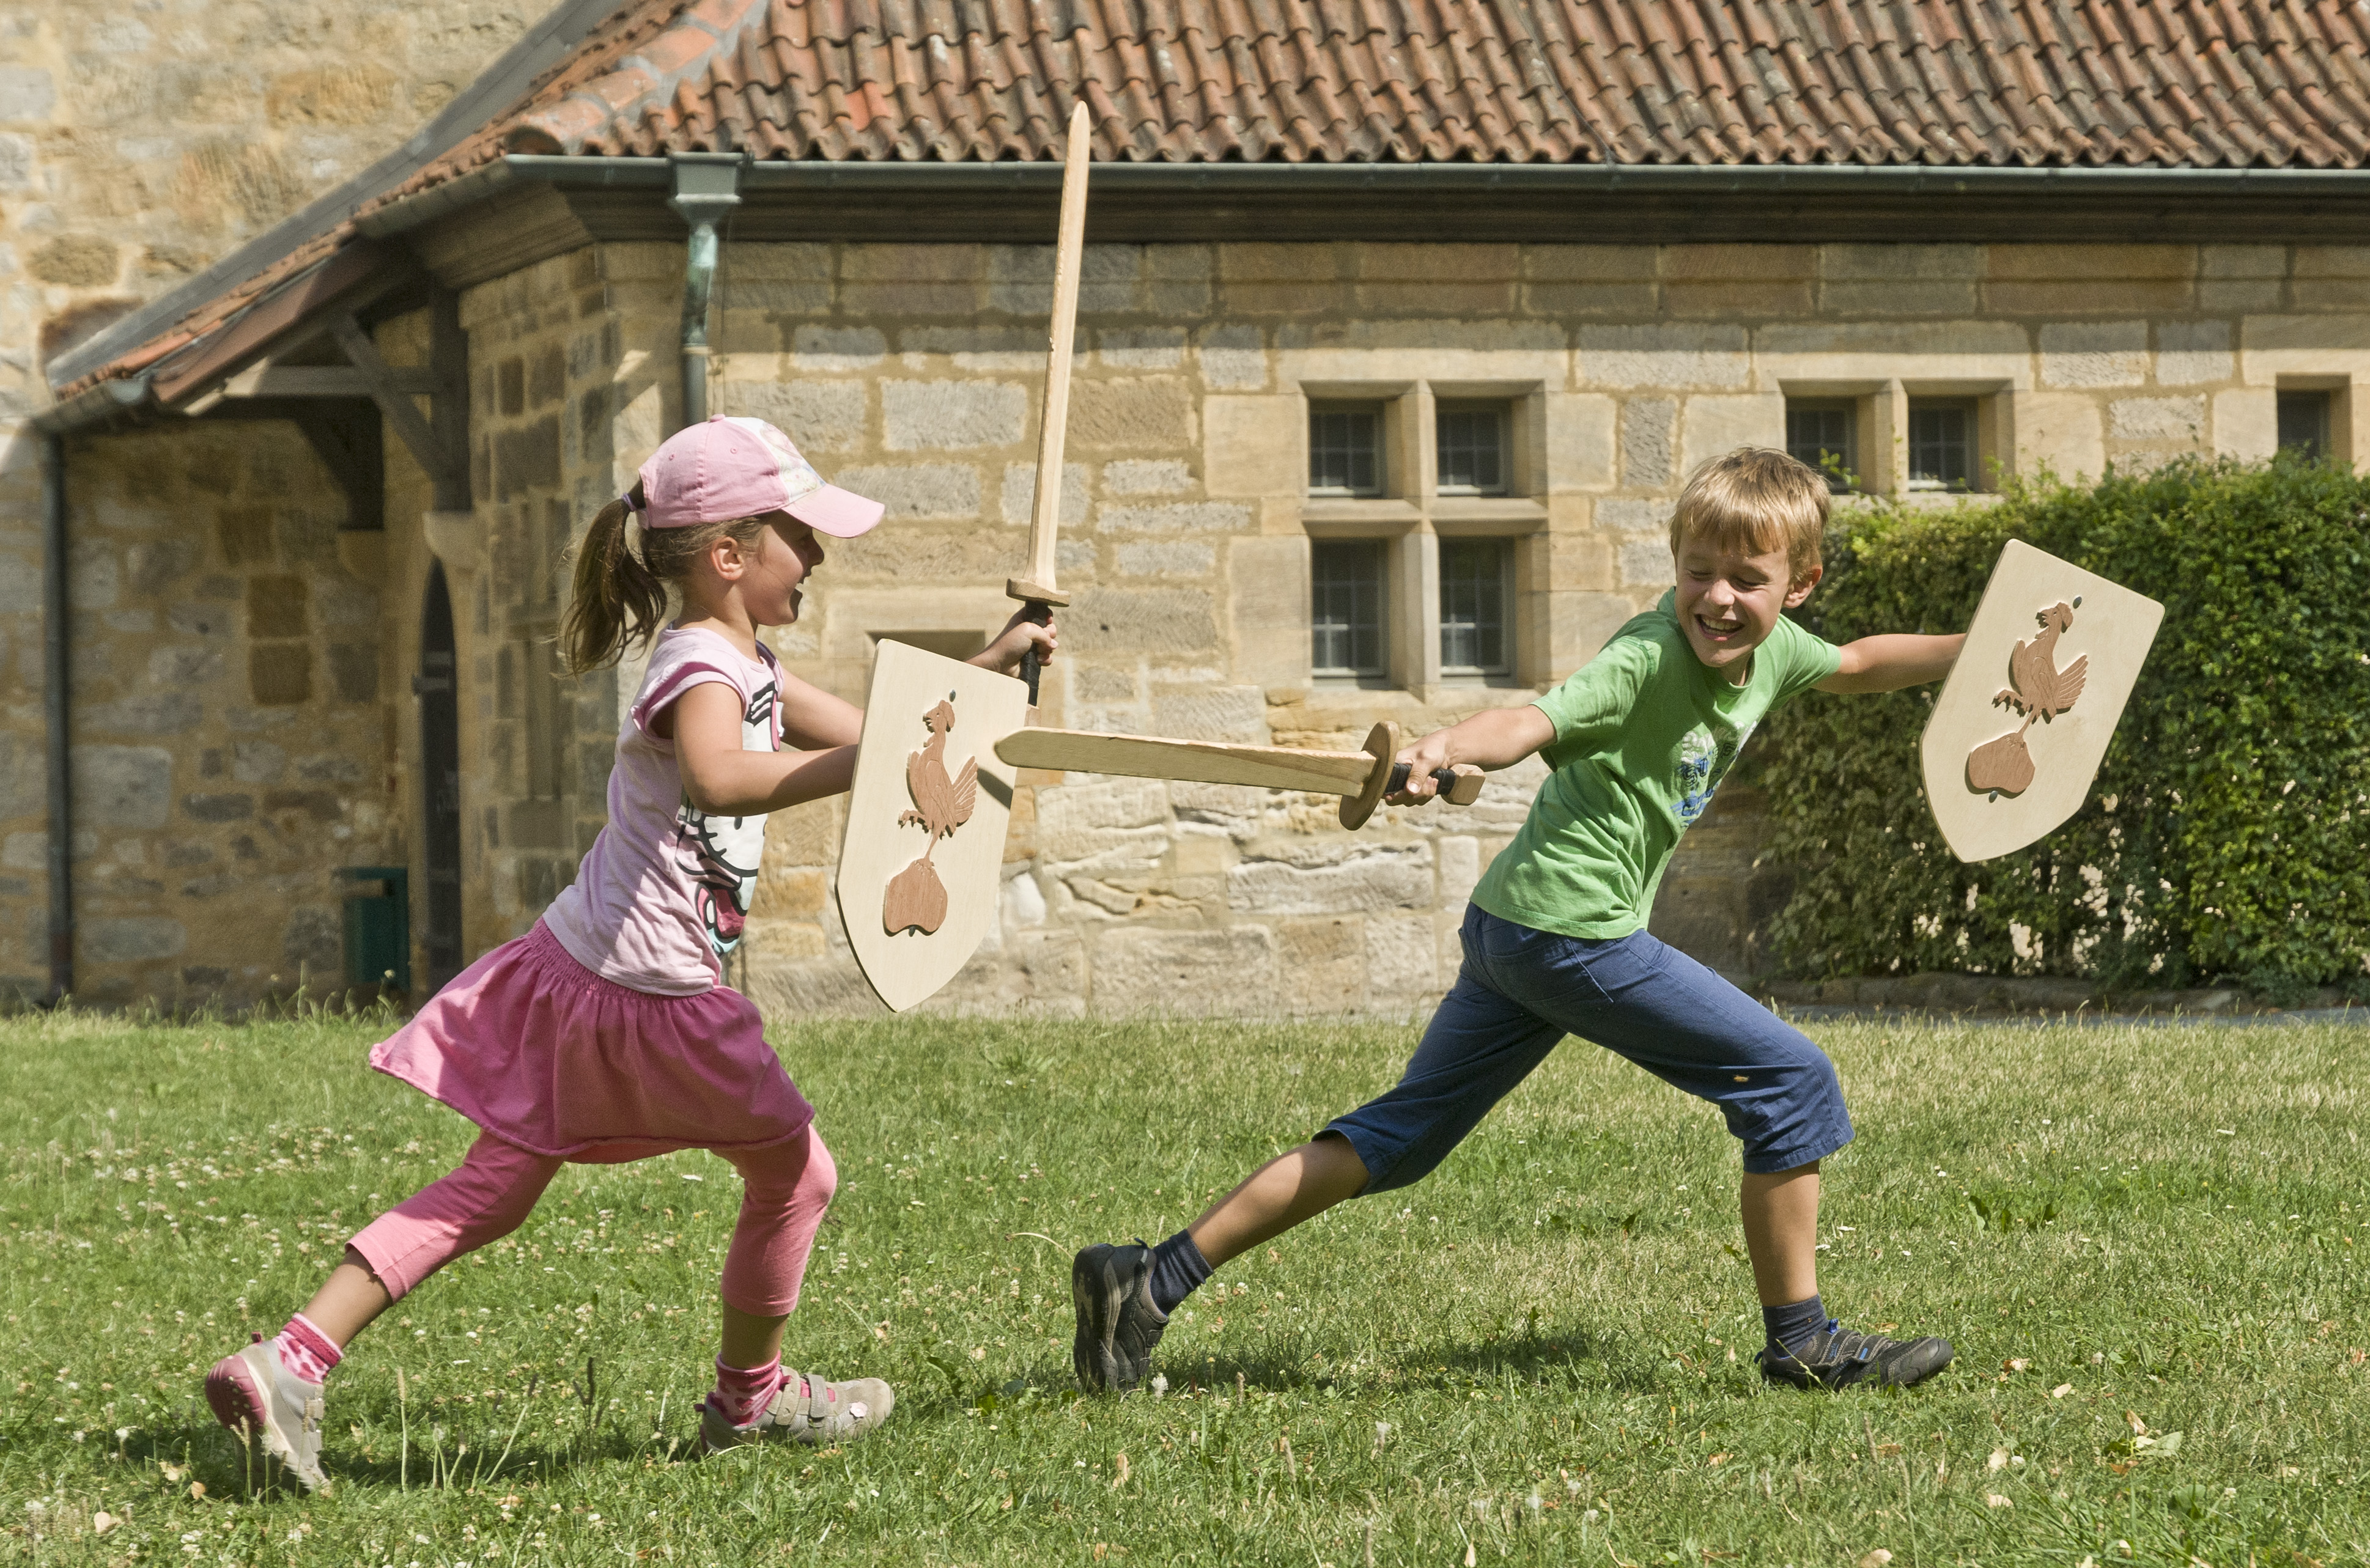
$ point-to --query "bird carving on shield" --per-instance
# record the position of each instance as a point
(2038, 690)
(915, 898)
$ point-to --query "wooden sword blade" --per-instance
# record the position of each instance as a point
(1204, 761)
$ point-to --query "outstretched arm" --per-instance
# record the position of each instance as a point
(1892, 661)
(722, 779)
(1497, 737)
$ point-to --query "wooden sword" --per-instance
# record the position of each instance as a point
(1360, 778)
(1037, 590)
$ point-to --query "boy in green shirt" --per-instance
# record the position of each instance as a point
(1555, 941)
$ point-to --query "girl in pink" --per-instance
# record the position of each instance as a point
(607, 1034)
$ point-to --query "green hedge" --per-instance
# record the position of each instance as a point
(2227, 837)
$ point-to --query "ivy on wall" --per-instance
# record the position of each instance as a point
(2227, 836)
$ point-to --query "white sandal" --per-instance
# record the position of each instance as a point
(806, 1409)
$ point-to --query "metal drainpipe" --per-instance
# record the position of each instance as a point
(54, 691)
(707, 187)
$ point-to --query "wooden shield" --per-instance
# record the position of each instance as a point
(2024, 719)
(919, 864)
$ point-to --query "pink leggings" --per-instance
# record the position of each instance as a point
(785, 1188)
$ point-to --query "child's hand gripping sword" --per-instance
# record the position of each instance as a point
(1360, 778)
(1037, 590)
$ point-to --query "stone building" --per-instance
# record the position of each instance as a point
(1397, 337)
(154, 155)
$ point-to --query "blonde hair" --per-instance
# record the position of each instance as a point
(620, 599)
(1754, 498)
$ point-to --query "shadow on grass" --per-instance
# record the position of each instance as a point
(1574, 1361)
(226, 1466)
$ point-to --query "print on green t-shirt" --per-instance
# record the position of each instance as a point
(1644, 733)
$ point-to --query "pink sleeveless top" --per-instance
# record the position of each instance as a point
(662, 896)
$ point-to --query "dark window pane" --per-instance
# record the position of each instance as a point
(1345, 452)
(1824, 435)
(1346, 603)
(1473, 591)
(1472, 451)
(2304, 422)
(1942, 446)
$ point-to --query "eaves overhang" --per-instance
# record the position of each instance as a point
(622, 198)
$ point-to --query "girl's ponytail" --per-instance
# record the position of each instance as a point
(617, 602)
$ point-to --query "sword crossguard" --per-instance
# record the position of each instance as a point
(1459, 785)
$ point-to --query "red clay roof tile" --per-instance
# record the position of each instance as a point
(2196, 83)
(2012, 82)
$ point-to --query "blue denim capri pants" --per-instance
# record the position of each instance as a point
(1521, 990)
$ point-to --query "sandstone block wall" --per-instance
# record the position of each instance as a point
(230, 705)
(912, 373)
(139, 144)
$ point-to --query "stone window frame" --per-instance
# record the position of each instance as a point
(832, 642)
(1412, 516)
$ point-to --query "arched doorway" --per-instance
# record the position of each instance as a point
(439, 765)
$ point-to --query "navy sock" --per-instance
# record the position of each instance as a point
(1789, 1326)
(1178, 1267)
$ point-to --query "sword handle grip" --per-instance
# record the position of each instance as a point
(1459, 785)
(1031, 664)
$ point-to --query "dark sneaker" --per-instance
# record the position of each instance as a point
(1118, 1326)
(1836, 1358)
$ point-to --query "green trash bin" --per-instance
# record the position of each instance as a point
(378, 926)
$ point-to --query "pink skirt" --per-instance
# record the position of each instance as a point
(540, 1052)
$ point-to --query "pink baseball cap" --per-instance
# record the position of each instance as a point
(736, 467)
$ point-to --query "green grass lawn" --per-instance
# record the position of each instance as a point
(2145, 1243)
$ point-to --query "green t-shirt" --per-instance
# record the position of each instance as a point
(1644, 732)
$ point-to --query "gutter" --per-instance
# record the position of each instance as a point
(109, 403)
(56, 714)
(1222, 179)
(1564, 179)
